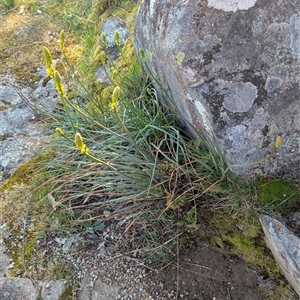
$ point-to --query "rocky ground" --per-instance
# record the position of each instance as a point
(100, 274)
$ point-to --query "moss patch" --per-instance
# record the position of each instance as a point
(25, 172)
(277, 195)
(244, 237)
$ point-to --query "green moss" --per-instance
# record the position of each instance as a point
(243, 236)
(25, 172)
(281, 291)
(278, 195)
(24, 211)
(255, 252)
(235, 234)
(21, 253)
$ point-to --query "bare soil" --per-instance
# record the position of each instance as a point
(200, 273)
(206, 274)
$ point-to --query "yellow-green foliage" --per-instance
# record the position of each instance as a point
(243, 236)
(24, 211)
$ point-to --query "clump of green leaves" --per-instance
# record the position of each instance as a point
(121, 157)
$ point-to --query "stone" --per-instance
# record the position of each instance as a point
(231, 68)
(97, 290)
(9, 96)
(285, 247)
(21, 132)
(109, 28)
(13, 288)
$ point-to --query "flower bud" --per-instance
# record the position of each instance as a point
(117, 38)
(115, 97)
(104, 40)
(59, 131)
(278, 142)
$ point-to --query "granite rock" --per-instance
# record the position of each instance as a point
(232, 70)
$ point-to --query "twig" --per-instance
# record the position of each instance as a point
(25, 100)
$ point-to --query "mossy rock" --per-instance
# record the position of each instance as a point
(25, 172)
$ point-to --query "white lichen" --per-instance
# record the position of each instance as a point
(231, 5)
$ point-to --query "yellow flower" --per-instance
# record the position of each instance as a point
(117, 38)
(62, 40)
(58, 83)
(102, 58)
(48, 61)
(59, 131)
(79, 141)
(104, 40)
(115, 97)
(278, 142)
(114, 75)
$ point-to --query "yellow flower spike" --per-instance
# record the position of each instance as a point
(79, 141)
(104, 40)
(99, 85)
(48, 61)
(142, 54)
(278, 142)
(62, 40)
(115, 97)
(59, 131)
(103, 58)
(84, 149)
(114, 75)
(117, 38)
(58, 83)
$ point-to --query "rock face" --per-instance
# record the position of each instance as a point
(21, 132)
(232, 68)
(285, 247)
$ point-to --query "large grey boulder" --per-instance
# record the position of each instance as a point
(232, 68)
(285, 247)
